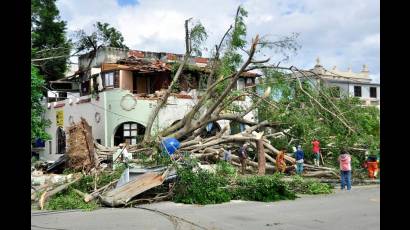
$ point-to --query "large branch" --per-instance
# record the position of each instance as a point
(318, 103)
(216, 59)
(162, 101)
(186, 122)
(233, 81)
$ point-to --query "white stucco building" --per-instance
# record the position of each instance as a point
(347, 82)
(117, 90)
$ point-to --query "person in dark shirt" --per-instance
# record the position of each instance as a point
(299, 156)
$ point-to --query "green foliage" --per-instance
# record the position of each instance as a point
(236, 41)
(69, 199)
(48, 38)
(197, 37)
(301, 185)
(263, 188)
(239, 31)
(225, 169)
(307, 120)
(103, 35)
(38, 122)
(201, 187)
(86, 183)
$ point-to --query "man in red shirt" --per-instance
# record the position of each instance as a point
(316, 151)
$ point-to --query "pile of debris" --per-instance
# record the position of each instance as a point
(86, 157)
(137, 183)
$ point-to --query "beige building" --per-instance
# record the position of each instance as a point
(347, 82)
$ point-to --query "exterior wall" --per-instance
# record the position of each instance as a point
(115, 107)
(125, 109)
(72, 113)
(104, 55)
(365, 91)
(121, 107)
(367, 100)
(126, 80)
(175, 110)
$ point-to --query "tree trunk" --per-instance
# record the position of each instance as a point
(47, 194)
(261, 158)
(164, 99)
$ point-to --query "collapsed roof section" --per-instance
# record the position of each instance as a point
(139, 65)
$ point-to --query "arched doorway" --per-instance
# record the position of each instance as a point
(61, 141)
(129, 132)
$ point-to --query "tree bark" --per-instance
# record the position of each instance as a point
(47, 194)
(261, 158)
(162, 101)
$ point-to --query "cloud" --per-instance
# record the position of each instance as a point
(341, 32)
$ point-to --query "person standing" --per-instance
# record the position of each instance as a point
(227, 154)
(299, 156)
(316, 151)
(372, 167)
(345, 170)
(280, 161)
(243, 155)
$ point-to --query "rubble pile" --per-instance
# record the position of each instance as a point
(139, 183)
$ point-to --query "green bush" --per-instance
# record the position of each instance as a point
(223, 168)
(69, 199)
(308, 186)
(263, 188)
(201, 187)
(315, 187)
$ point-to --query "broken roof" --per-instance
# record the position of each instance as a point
(136, 64)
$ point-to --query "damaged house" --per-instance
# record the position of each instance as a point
(115, 91)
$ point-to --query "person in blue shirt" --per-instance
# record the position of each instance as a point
(299, 155)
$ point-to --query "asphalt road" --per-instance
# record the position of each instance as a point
(357, 209)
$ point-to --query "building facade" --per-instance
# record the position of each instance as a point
(347, 82)
(116, 91)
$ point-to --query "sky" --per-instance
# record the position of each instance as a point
(342, 33)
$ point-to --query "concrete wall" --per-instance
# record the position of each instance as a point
(115, 107)
(175, 110)
(104, 55)
(365, 90)
(349, 88)
(72, 113)
(123, 108)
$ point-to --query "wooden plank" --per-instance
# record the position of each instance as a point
(123, 194)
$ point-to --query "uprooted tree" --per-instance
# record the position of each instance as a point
(292, 102)
(293, 108)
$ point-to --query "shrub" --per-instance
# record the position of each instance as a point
(308, 186)
(223, 168)
(68, 199)
(263, 188)
(201, 187)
